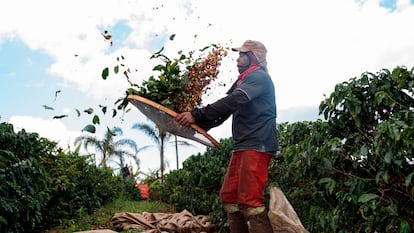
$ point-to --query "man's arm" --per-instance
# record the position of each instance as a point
(216, 113)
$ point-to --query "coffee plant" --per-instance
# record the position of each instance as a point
(354, 171)
(41, 185)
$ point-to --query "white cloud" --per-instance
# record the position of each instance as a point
(312, 45)
(52, 129)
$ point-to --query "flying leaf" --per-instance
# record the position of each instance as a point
(104, 109)
(126, 73)
(56, 93)
(172, 37)
(157, 53)
(89, 110)
(89, 128)
(105, 73)
(77, 112)
(95, 120)
(59, 116)
(47, 107)
(106, 35)
(116, 69)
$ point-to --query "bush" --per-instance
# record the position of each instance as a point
(130, 191)
(41, 185)
(196, 186)
(24, 182)
(358, 165)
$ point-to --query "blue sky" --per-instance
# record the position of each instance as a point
(47, 47)
(391, 4)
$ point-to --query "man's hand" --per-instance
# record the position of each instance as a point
(185, 119)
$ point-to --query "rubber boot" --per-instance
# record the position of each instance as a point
(237, 222)
(260, 223)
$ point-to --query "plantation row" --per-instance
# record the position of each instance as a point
(42, 186)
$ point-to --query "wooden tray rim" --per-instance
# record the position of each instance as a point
(173, 114)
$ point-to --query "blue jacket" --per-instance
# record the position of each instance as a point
(253, 106)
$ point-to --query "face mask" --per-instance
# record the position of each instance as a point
(243, 68)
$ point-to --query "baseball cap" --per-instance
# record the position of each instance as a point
(257, 48)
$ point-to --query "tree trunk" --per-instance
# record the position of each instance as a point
(176, 150)
(162, 159)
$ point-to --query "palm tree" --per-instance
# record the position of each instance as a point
(160, 138)
(108, 146)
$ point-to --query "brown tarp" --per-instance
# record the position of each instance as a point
(162, 222)
(281, 214)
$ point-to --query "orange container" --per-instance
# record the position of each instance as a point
(143, 188)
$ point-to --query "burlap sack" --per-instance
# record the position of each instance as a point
(282, 215)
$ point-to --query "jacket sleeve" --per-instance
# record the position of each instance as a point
(216, 113)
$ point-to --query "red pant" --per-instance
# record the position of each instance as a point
(246, 179)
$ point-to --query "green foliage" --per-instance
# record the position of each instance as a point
(357, 166)
(77, 186)
(40, 185)
(129, 191)
(373, 116)
(24, 189)
(165, 88)
(89, 128)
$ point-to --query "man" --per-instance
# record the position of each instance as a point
(251, 101)
(125, 172)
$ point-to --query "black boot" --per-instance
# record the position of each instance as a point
(260, 223)
(237, 222)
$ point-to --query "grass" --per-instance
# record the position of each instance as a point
(101, 219)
